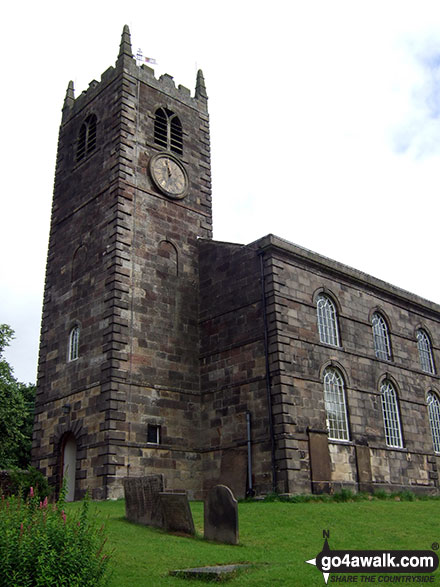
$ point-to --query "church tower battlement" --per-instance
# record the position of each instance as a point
(118, 367)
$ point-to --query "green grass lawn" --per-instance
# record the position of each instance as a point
(276, 537)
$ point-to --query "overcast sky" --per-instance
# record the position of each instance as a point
(325, 127)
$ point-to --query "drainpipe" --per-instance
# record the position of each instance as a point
(268, 390)
(250, 491)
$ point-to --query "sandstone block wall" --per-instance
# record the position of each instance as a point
(294, 278)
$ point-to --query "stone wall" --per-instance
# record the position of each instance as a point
(294, 277)
(233, 372)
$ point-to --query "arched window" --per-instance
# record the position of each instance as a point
(391, 417)
(425, 351)
(381, 338)
(74, 344)
(434, 418)
(168, 131)
(327, 320)
(86, 138)
(335, 405)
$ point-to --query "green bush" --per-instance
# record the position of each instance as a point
(42, 546)
(21, 482)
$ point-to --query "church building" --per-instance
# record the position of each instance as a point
(265, 367)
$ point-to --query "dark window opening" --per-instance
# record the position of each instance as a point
(153, 434)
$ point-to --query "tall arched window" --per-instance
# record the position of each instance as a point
(73, 353)
(327, 320)
(86, 137)
(381, 338)
(335, 405)
(434, 418)
(168, 131)
(391, 416)
(425, 351)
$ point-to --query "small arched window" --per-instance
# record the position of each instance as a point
(327, 320)
(168, 131)
(425, 351)
(381, 338)
(73, 352)
(391, 416)
(434, 418)
(335, 405)
(86, 138)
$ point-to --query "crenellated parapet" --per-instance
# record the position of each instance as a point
(126, 63)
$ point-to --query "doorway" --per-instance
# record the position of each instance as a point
(68, 455)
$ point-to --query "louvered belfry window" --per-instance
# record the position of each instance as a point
(86, 138)
(168, 131)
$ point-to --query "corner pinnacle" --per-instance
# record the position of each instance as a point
(125, 46)
(200, 87)
(69, 101)
(70, 95)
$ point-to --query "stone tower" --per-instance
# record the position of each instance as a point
(118, 379)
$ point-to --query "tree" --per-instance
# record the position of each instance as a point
(16, 411)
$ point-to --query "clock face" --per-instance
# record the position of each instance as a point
(169, 175)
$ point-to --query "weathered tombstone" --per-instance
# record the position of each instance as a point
(177, 516)
(221, 516)
(142, 503)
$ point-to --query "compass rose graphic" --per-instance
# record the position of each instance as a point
(324, 552)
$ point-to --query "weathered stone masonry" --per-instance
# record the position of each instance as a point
(187, 343)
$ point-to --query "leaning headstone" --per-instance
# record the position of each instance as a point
(221, 516)
(177, 516)
(142, 504)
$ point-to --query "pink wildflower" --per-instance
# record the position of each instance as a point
(45, 502)
(31, 492)
(63, 515)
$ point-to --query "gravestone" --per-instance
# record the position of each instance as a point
(221, 516)
(142, 504)
(176, 513)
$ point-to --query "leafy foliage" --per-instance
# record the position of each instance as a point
(20, 483)
(16, 411)
(42, 545)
